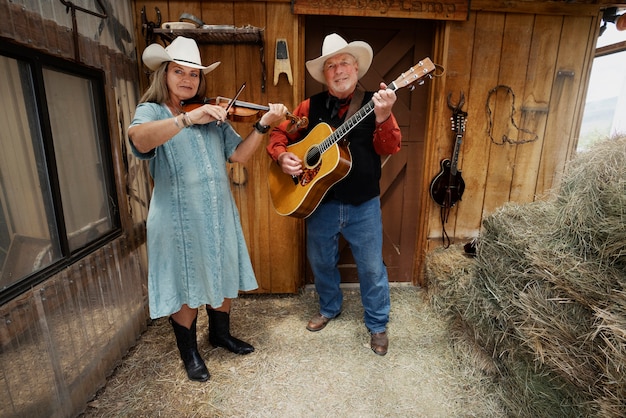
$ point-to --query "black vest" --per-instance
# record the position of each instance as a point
(362, 182)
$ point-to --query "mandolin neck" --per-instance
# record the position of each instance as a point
(455, 154)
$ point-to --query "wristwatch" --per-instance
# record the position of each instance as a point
(262, 129)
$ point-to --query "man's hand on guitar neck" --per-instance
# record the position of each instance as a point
(383, 101)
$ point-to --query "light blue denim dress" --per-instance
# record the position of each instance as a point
(197, 253)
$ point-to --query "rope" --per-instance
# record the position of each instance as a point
(505, 138)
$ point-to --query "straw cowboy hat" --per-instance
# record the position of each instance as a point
(335, 44)
(183, 51)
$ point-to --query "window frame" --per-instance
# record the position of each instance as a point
(603, 49)
(37, 61)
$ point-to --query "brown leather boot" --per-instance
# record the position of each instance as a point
(318, 322)
(379, 343)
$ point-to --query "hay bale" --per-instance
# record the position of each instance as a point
(592, 203)
(529, 393)
(448, 272)
(454, 294)
(546, 295)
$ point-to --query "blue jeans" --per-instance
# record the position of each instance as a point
(361, 226)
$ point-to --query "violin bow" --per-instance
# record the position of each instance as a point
(233, 100)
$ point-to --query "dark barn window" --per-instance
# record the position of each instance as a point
(57, 194)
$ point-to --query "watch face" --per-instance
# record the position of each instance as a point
(261, 128)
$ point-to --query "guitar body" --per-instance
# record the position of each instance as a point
(300, 197)
(446, 188)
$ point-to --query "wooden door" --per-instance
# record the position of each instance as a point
(398, 44)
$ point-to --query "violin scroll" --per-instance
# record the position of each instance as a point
(296, 123)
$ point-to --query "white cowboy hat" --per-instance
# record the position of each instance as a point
(335, 44)
(183, 51)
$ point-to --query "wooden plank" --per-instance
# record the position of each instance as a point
(140, 39)
(248, 69)
(410, 201)
(583, 86)
(36, 34)
(286, 234)
(484, 72)
(440, 10)
(413, 180)
(19, 19)
(561, 8)
(65, 43)
(120, 71)
(518, 33)
(5, 10)
(223, 81)
(570, 68)
(458, 68)
(393, 176)
(384, 65)
(50, 29)
(534, 109)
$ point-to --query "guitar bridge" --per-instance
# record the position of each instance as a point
(308, 175)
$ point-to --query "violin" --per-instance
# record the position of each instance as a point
(240, 111)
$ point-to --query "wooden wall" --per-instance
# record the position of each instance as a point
(522, 66)
(524, 76)
(60, 340)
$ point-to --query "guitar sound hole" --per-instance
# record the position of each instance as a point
(312, 157)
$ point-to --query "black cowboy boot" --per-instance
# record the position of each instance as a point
(188, 347)
(219, 333)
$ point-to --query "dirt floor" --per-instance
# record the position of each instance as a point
(297, 373)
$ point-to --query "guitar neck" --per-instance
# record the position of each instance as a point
(415, 73)
(352, 121)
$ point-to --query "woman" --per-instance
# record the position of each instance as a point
(196, 248)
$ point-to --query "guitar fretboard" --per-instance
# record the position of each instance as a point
(347, 126)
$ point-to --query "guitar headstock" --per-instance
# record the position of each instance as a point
(415, 73)
(458, 119)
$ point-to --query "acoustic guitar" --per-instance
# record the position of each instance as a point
(447, 187)
(324, 160)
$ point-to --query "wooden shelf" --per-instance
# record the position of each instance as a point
(221, 34)
(216, 34)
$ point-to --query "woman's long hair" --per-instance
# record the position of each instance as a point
(157, 92)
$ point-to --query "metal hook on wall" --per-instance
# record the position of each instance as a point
(71, 6)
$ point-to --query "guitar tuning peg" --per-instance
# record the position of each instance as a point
(411, 87)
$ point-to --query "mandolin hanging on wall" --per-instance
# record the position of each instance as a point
(448, 185)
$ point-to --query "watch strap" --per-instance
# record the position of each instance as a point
(262, 129)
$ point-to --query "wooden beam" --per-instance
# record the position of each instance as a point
(564, 8)
(411, 9)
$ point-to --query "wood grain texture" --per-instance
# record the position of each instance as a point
(539, 51)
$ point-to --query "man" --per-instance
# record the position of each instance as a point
(351, 207)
